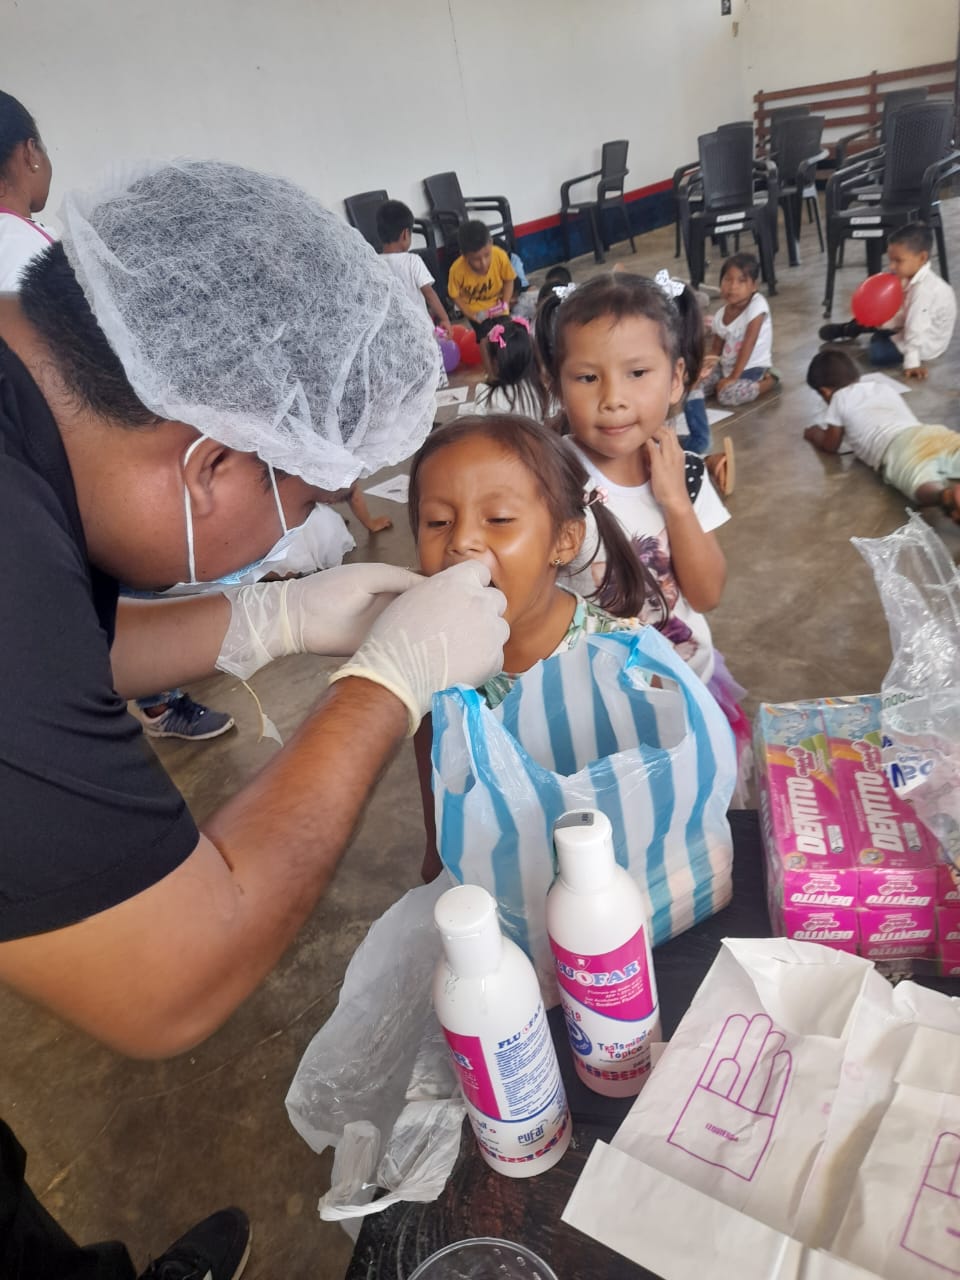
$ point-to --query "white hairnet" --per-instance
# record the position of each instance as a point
(239, 304)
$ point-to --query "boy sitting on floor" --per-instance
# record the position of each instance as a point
(872, 419)
(922, 328)
(481, 280)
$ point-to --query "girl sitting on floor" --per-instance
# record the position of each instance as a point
(504, 490)
(741, 353)
(513, 383)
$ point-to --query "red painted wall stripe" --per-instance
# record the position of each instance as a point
(553, 219)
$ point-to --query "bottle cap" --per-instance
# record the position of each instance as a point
(467, 919)
(584, 842)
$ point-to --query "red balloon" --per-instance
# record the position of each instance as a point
(470, 353)
(877, 300)
(459, 332)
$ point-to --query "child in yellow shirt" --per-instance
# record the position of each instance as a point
(481, 280)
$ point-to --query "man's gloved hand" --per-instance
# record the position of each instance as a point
(328, 613)
(447, 630)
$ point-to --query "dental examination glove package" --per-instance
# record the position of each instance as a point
(805, 1116)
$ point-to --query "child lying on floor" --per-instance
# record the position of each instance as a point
(504, 490)
(871, 418)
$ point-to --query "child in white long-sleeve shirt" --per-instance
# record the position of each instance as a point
(870, 417)
(922, 328)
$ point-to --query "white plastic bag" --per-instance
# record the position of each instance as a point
(589, 728)
(376, 1081)
(920, 591)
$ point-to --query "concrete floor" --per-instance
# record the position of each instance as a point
(139, 1151)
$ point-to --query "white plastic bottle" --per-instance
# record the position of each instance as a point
(600, 939)
(488, 1001)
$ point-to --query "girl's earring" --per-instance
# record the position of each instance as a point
(556, 563)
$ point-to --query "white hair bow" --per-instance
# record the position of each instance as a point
(666, 284)
(564, 290)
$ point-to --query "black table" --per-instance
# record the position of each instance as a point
(478, 1201)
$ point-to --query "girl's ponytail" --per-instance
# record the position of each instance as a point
(628, 586)
(691, 334)
(545, 332)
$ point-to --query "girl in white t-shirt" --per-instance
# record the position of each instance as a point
(513, 383)
(613, 356)
(741, 353)
(25, 174)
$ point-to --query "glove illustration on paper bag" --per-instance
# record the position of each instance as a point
(730, 1116)
(933, 1227)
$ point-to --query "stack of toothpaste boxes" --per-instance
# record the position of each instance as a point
(849, 864)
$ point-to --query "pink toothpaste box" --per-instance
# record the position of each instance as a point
(887, 935)
(895, 853)
(834, 927)
(808, 855)
(948, 885)
(948, 930)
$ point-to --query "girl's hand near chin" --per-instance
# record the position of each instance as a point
(667, 464)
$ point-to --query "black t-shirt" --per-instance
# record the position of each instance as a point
(88, 818)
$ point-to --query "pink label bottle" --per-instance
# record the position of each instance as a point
(488, 1003)
(600, 939)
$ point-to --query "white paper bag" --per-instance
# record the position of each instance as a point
(805, 1116)
(741, 1098)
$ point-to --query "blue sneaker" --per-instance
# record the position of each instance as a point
(185, 718)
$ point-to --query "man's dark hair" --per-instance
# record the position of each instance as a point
(473, 236)
(831, 369)
(16, 125)
(915, 236)
(393, 219)
(55, 305)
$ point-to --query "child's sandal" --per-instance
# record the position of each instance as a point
(722, 468)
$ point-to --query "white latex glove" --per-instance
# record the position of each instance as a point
(446, 631)
(328, 613)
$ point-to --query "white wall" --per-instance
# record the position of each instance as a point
(515, 94)
(343, 96)
(792, 42)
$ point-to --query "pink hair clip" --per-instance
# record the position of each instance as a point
(592, 495)
(522, 321)
(496, 335)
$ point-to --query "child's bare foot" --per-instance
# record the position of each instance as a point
(722, 469)
(378, 524)
(767, 383)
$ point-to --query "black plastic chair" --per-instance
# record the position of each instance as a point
(776, 119)
(449, 207)
(915, 163)
(796, 153)
(721, 198)
(612, 173)
(362, 214)
(892, 102)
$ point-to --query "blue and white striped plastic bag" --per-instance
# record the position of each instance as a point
(587, 729)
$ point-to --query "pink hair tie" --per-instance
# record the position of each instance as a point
(523, 321)
(592, 495)
(496, 335)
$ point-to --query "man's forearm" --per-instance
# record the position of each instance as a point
(159, 972)
(161, 644)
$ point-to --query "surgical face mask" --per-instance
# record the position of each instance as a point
(306, 547)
